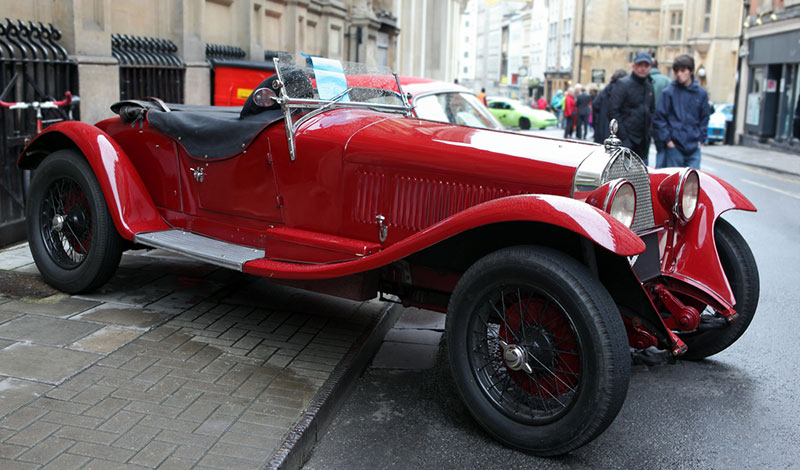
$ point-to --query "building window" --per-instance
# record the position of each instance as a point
(675, 25)
(552, 44)
(566, 44)
(383, 49)
(707, 17)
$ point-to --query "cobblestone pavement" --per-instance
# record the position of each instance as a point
(173, 364)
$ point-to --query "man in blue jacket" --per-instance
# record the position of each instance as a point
(681, 119)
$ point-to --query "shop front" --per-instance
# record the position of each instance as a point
(771, 88)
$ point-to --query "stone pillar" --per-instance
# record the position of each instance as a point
(191, 46)
(295, 24)
(363, 44)
(90, 43)
(334, 16)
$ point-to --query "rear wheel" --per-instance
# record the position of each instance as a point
(524, 123)
(71, 234)
(742, 273)
(537, 349)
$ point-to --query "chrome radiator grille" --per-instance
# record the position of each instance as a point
(626, 165)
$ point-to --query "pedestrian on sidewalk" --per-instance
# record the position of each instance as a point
(570, 113)
(600, 107)
(482, 97)
(681, 119)
(583, 101)
(660, 82)
(558, 106)
(632, 105)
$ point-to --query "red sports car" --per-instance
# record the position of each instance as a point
(552, 259)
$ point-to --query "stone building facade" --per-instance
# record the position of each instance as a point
(589, 40)
(366, 31)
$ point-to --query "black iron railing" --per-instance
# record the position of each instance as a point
(148, 67)
(34, 67)
(223, 52)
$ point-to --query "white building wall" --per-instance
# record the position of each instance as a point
(538, 40)
(468, 50)
(429, 30)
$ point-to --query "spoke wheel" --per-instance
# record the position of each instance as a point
(537, 349)
(71, 233)
(526, 354)
(66, 223)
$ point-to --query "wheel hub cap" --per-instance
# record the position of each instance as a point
(515, 357)
(58, 222)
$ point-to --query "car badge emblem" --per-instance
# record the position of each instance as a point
(627, 160)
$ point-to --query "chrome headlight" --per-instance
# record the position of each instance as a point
(680, 192)
(617, 198)
(688, 191)
(600, 168)
(622, 202)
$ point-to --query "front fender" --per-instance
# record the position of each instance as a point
(127, 198)
(567, 213)
(693, 256)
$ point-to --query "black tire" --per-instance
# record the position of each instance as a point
(742, 273)
(524, 123)
(71, 233)
(569, 395)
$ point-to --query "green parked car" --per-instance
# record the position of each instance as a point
(512, 113)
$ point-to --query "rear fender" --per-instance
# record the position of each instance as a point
(563, 212)
(691, 257)
(128, 201)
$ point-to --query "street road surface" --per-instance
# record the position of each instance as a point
(739, 409)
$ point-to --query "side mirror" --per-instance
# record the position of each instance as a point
(264, 97)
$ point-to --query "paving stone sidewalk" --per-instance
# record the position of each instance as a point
(173, 364)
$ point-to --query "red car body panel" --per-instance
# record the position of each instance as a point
(693, 257)
(564, 212)
(128, 199)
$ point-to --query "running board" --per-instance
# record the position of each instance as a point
(202, 248)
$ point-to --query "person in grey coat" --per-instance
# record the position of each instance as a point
(660, 82)
(681, 119)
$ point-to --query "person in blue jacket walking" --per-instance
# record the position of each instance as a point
(681, 119)
(557, 103)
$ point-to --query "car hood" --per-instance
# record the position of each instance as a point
(422, 147)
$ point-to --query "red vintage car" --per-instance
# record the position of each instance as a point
(553, 259)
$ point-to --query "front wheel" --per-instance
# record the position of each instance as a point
(740, 268)
(538, 349)
(524, 123)
(71, 234)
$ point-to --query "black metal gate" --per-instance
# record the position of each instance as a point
(33, 68)
(148, 67)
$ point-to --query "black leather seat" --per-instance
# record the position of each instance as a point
(206, 132)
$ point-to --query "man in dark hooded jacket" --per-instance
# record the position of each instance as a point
(632, 104)
(681, 119)
(600, 107)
